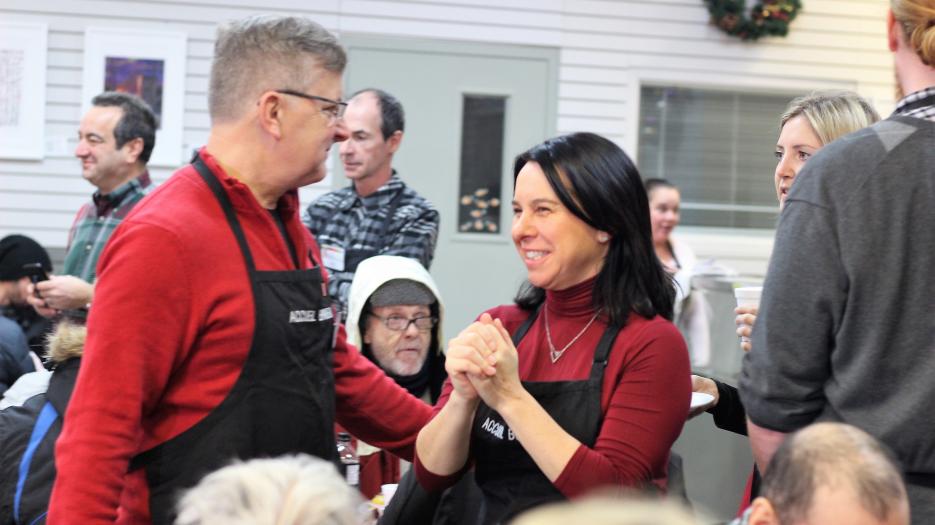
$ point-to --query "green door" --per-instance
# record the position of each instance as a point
(435, 81)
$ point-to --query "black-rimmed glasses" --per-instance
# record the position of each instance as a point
(398, 323)
(334, 110)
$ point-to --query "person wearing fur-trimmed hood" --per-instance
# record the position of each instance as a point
(28, 433)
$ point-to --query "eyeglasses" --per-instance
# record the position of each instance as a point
(401, 324)
(334, 111)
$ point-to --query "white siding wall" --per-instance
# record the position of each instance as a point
(607, 48)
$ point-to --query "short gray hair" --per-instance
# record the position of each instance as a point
(294, 490)
(260, 53)
(832, 454)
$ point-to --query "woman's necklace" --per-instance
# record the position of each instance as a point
(557, 354)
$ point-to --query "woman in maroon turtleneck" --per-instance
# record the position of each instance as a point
(584, 382)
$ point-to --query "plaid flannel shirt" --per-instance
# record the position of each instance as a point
(95, 223)
(925, 110)
(345, 220)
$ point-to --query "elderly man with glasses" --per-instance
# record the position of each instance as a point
(394, 317)
(213, 337)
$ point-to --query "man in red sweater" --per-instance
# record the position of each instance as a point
(212, 335)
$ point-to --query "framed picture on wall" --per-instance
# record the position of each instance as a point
(22, 90)
(149, 64)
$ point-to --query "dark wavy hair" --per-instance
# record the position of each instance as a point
(598, 183)
(138, 120)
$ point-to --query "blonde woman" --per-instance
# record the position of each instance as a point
(809, 123)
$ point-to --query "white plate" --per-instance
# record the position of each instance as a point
(700, 399)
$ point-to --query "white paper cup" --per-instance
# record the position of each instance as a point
(388, 490)
(748, 296)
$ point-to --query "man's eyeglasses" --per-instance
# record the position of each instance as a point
(334, 110)
(401, 324)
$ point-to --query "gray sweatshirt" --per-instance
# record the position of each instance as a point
(846, 329)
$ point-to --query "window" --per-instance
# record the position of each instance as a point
(481, 164)
(717, 147)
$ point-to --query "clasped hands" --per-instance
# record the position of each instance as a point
(482, 364)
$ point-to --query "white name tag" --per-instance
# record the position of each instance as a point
(310, 316)
(333, 257)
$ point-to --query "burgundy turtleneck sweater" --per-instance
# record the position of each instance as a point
(645, 395)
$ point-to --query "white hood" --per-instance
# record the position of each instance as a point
(374, 272)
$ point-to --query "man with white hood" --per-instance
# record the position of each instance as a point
(394, 315)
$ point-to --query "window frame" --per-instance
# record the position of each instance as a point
(729, 83)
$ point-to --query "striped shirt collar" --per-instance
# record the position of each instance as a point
(375, 200)
(105, 203)
(920, 104)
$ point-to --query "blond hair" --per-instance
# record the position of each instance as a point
(289, 490)
(66, 341)
(261, 53)
(831, 113)
(917, 18)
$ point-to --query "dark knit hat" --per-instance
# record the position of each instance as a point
(17, 250)
(402, 291)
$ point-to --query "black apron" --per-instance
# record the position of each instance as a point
(509, 478)
(283, 400)
(353, 257)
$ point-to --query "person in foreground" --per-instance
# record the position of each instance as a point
(830, 474)
(212, 336)
(850, 275)
(288, 490)
(609, 510)
(584, 382)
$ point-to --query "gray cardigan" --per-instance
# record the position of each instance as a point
(846, 328)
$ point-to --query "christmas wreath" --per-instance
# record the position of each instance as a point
(767, 17)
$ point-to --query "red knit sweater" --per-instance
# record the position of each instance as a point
(645, 395)
(169, 331)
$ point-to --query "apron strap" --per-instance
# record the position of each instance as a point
(224, 200)
(602, 352)
(523, 328)
(916, 104)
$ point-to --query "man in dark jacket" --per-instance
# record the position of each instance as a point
(21, 328)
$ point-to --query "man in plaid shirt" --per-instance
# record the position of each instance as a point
(115, 139)
(378, 214)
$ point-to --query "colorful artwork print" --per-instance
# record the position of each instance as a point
(139, 76)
